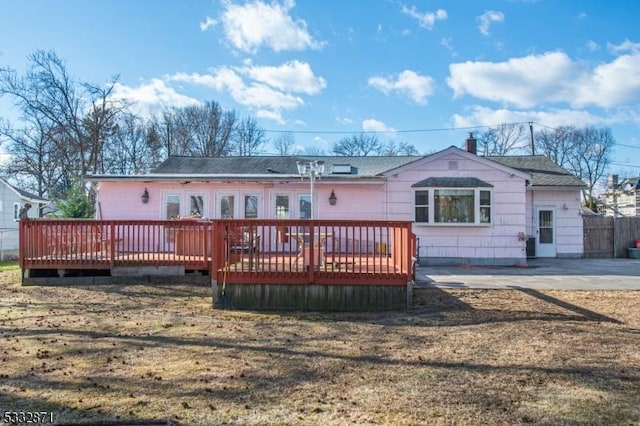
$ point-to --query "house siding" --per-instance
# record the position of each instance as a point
(569, 224)
(388, 197)
(8, 225)
(497, 243)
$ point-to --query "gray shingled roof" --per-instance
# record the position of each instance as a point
(543, 171)
(452, 182)
(263, 165)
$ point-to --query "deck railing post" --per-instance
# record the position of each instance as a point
(312, 255)
(112, 244)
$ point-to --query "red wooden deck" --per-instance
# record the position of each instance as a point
(236, 251)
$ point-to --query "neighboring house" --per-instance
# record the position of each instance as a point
(465, 208)
(622, 198)
(12, 199)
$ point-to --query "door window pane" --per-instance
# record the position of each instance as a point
(305, 207)
(250, 206)
(545, 223)
(226, 207)
(282, 207)
(196, 206)
(172, 207)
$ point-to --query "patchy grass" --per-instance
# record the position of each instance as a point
(9, 265)
(161, 353)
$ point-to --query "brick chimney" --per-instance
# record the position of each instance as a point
(613, 182)
(471, 145)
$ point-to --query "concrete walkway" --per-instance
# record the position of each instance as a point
(540, 274)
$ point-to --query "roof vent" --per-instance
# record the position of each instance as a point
(453, 165)
(341, 169)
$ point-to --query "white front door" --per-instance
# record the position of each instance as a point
(545, 232)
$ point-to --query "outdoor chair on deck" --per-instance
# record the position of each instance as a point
(243, 244)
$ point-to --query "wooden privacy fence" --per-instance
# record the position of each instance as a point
(234, 251)
(607, 237)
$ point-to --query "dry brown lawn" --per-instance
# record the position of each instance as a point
(141, 354)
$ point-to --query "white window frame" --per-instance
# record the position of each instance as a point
(431, 207)
(238, 202)
(165, 197)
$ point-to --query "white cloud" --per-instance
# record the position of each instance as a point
(267, 90)
(483, 116)
(592, 46)
(373, 125)
(626, 46)
(408, 83)
(255, 24)
(523, 82)
(270, 115)
(427, 19)
(487, 19)
(344, 120)
(208, 23)
(293, 76)
(550, 78)
(448, 43)
(153, 96)
(612, 84)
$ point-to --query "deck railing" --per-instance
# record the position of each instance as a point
(233, 251)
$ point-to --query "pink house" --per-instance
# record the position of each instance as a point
(465, 208)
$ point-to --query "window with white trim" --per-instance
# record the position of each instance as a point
(453, 206)
(422, 206)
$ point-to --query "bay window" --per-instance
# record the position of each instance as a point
(453, 206)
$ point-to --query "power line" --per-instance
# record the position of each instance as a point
(435, 129)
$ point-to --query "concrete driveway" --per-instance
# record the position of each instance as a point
(540, 274)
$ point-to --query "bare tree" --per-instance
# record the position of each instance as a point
(284, 143)
(586, 152)
(399, 148)
(130, 150)
(502, 139)
(200, 130)
(314, 151)
(35, 161)
(67, 119)
(591, 157)
(362, 144)
(557, 144)
(249, 138)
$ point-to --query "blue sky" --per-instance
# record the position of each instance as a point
(418, 71)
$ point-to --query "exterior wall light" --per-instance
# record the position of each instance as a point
(332, 198)
(145, 196)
